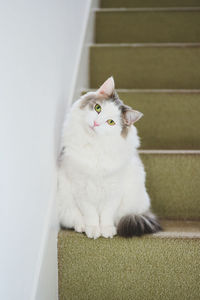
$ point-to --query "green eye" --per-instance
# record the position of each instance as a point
(97, 108)
(111, 122)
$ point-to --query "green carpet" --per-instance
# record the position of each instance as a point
(147, 26)
(149, 3)
(171, 119)
(150, 67)
(140, 268)
(165, 266)
(173, 184)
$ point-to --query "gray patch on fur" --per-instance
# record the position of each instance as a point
(124, 131)
(123, 108)
(88, 99)
(138, 225)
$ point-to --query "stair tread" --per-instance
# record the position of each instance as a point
(171, 229)
(160, 266)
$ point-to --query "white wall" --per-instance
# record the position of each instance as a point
(39, 48)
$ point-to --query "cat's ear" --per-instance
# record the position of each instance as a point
(130, 116)
(107, 88)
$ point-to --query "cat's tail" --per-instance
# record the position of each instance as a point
(137, 225)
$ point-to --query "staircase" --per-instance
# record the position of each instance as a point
(152, 48)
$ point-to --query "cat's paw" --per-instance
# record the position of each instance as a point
(79, 227)
(92, 232)
(108, 231)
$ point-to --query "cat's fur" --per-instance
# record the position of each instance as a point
(101, 177)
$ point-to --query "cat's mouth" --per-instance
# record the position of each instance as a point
(94, 126)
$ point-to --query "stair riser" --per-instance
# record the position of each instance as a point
(173, 184)
(148, 3)
(146, 67)
(171, 120)
(128, 269)
(144, 27)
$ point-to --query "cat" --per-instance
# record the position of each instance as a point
(101, 179)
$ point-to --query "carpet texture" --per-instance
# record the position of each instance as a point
(173, 184)
(147, 26)
(171, 120)
(139, 268)
(150, 67)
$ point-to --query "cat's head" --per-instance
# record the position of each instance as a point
(105, 113)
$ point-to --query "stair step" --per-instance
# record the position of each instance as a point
(171, 118)
(172, 182)
(150, 66)
(148, 3)
(148, 25)
(161, 266)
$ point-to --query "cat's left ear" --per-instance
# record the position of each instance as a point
(107, 88)
(130, 116)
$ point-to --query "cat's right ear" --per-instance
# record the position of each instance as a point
(130, 116)
(107, 88)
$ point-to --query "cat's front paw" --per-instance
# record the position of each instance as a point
(79, 227)
(92, 232)
(108, 231)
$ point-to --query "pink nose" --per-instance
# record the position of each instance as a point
(96, 124)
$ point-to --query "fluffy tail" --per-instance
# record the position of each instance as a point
(137, 225)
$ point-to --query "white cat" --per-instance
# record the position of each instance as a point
(101, 187)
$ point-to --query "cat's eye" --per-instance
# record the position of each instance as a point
(111, 122)
(97, 108)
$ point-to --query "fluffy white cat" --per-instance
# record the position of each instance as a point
(101, 187)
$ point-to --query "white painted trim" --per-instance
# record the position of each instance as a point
(81, 73)
(143, 91)
(148, 9)
(148, 45)
(76, 67)
(169, 152)
(176, 235)
(171, 91)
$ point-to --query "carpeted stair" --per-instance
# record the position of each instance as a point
(141, 65)
(158, 25)
(152, 49)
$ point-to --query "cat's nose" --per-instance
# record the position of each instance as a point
(96, 124)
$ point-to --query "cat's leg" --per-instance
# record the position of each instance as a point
(107, 227)
(91, 219)
(107, 216)
(68, 212)
(70, 217)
